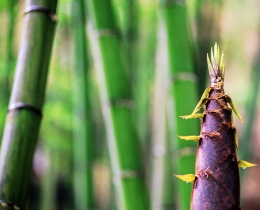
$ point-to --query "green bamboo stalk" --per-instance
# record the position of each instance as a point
(251, 106)
(131, 32)
(162, 196)
(126, 13)
(144, 68)
(116, 101)
(10, 60)
(24, 116)
(83, 187)
(181, 65)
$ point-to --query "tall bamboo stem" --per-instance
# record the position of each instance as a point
(251, 106)
(24, 115)
(162, 196)
(116, 101)
(182, 70)
(83, 187)
(144, 69)
(10, 60)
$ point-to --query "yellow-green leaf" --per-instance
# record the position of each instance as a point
(244, 164)
(198, 115)
(216, 65)
(222, 66)
(236, 138)
(186, 178)
(202, 101)
(211, 71)
(229, 100)
(188, 138)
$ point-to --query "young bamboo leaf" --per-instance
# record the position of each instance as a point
(229, 100)
(236, 138)
(211, 71)
(202, 101)
(186, 178)
(212, 61)
(222, 66)
(244, 164)
(188, 138)
(198, 115)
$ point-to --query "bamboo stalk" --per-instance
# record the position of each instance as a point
(251, 106)
(82, 129)
(129, 29)
(162, 196)
(246, 141)
(124, 150)
(144, 69)
(10, 60)
(24, 116)
(182, 70)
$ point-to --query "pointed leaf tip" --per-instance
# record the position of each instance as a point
(186, 178)
(222, 65)
(210, 68)
(197, 115)
(188, 138)
(216, 64)
(236, 139)
(244, 164)
(202, 101)
(231, 103)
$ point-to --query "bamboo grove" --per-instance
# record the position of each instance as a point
(93, 109)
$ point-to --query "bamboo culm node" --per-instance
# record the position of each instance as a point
(20, 105)
(216, 182)
(44, 10)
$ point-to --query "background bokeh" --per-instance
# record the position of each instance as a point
(234, 25)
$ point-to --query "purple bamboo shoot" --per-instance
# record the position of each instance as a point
(216, 184)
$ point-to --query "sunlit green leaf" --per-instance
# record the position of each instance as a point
(202, 101)
(211, 71)
(186, 178)
(244, 164)
(222, 66)
(229, 100)
(188, 138)
(198, 115)
(236, 138)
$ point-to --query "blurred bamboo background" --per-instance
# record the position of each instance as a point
(121, 73)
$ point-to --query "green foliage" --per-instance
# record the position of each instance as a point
(3, 5)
